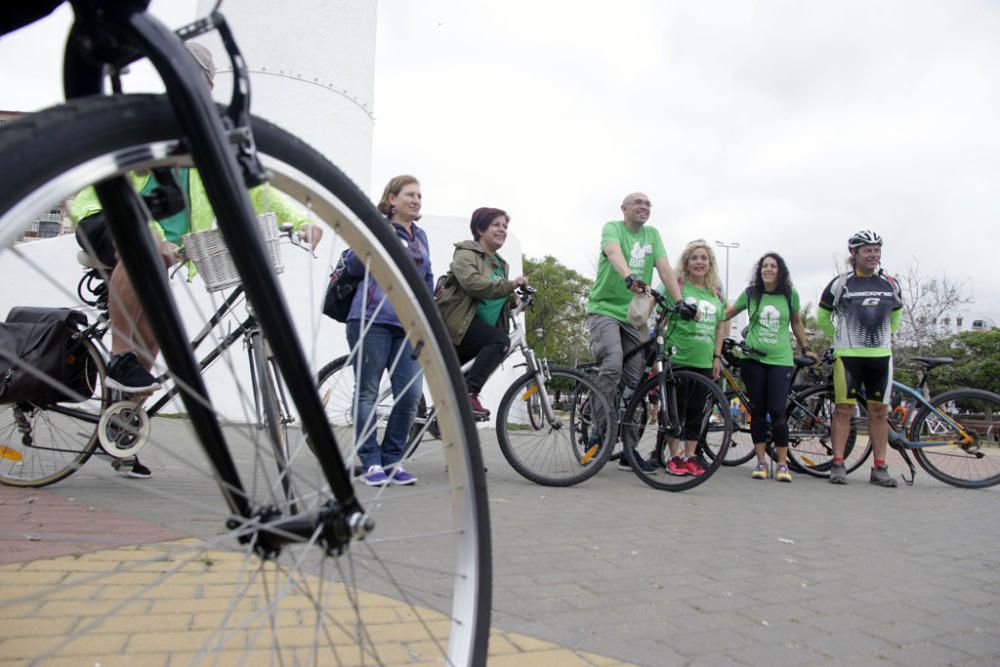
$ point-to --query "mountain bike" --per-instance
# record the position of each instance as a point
(318, 571)
(651, 416)
(809, 414)
(539, 432)
(954, 436)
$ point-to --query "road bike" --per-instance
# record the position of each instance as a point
(316, 567)
(539, 432)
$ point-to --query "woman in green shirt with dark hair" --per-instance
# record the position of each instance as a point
(773, 306)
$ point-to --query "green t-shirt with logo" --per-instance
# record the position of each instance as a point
(489, 310)
(609, 295)
(695, 340)
(769, 323)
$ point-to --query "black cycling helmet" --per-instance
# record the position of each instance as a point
(864, 237)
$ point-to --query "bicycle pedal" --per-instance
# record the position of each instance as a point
(480, 417)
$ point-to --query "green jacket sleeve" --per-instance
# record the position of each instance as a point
(824, 321)
(269, 200)
(86, 204)
(895, 319)
(465, 266)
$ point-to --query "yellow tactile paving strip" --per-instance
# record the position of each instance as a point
(132, 608)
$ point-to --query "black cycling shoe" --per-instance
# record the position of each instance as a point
(126, 374)
(137, 470)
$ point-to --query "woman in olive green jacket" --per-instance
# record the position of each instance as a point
(476, 298)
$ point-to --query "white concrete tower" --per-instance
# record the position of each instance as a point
(312, 71)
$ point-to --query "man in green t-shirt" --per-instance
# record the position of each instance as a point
(629, 252)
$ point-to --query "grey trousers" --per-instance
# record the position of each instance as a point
(610, 341)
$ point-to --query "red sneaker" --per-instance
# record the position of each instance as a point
(477, 407)
(693, 467)
(676, 467)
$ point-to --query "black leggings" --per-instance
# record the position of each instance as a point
(692, 402)
(767, 388)
(487, 345)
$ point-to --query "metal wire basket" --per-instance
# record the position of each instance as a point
(211, 256)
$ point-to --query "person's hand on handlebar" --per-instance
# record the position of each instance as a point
(688, 309)
(311, 234)
(170, 253)
(636, 285)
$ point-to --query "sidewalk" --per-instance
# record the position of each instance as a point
(735, 572)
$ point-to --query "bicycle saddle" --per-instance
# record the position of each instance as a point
(933, 362)
(804, 361)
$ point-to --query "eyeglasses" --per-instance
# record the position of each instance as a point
(640, 202)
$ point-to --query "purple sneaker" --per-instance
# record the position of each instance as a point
(399, 477)
(375, 476)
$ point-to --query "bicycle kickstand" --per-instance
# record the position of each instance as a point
(909, 463)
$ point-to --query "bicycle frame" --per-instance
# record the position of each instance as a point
(114, 33)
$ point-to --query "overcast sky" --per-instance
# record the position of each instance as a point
(780, 125)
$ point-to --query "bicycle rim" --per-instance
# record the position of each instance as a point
(427, 565)
(958, 441)
(810, 442)
(567, 450)
(43, 443)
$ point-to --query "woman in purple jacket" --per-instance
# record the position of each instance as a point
(379, 343)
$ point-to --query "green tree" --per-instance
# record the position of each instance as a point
(925, 302)
(555, 323)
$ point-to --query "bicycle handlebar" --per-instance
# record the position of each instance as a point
(729, 345)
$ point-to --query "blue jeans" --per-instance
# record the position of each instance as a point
(382, 345)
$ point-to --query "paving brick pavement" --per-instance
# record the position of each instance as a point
(734, 572)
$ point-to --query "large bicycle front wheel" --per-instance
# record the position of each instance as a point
(42, 443)
(568, 448)
(957, 439)
(427, 563)
(646, 445)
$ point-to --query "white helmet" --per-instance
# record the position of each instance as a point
(864, 237)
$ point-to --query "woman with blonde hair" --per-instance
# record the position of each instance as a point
(698, 276)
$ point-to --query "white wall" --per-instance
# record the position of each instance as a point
(312, 71)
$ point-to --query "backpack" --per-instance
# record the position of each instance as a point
(43, 339)
(340, 292)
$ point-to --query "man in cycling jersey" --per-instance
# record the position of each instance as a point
(629, 251)
(860, 310)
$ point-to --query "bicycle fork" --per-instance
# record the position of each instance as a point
(540, 369)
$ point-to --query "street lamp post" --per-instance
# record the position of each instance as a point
(727, 246)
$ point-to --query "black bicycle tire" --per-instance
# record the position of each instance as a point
(712, 463)
(821, 469)
(412, 441)
(99, 126)
(85, 452)
(595, 462)
(926, 461)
